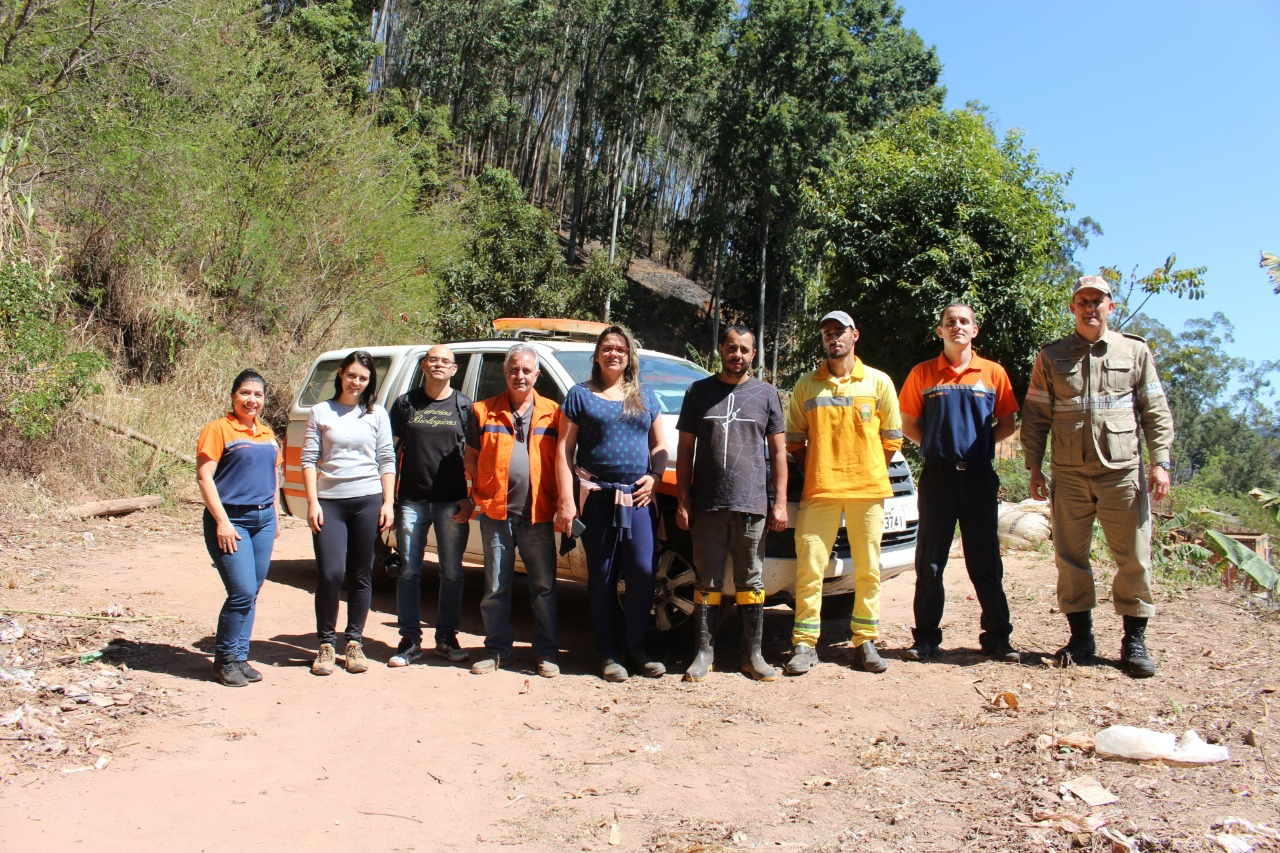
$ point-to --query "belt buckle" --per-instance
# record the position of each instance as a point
(960, 466)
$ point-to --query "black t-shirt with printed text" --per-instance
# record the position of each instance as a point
(431, 436)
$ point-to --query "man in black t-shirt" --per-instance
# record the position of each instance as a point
(430, 427)
(727, 425)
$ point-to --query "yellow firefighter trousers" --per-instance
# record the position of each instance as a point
(816, 528)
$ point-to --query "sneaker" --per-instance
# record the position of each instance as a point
(229, 674)
(803, 659)
(922, 652)
(1001, 651)
(548, 668)
(250, 674)
(484, 666)
(867, 658)
(612, 670)
(325, 660)
(406, 653)
(451, 651)
(354, 657)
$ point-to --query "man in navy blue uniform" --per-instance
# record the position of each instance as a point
(957, 407)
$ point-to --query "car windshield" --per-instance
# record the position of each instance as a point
(668, 378)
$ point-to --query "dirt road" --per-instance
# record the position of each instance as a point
(430, 758)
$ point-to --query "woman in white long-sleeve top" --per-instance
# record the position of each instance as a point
(349, 469)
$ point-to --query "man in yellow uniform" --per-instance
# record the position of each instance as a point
(843, 427)
(1096, 390)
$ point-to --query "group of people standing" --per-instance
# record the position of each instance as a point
(589, 469)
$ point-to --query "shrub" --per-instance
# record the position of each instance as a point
(40, 377)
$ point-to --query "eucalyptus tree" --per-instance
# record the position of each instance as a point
(801, 74)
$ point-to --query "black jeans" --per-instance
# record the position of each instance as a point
(969, 497)
(344, 549)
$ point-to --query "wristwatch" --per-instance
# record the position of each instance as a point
(1165, 465)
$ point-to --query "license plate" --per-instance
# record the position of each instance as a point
(895, 520)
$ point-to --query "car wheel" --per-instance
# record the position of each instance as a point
(675, 582)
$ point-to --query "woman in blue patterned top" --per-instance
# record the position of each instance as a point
(612, 453)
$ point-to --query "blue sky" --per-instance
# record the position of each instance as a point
(1167, 113)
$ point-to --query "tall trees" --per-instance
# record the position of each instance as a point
(931, 208)
(800, 74)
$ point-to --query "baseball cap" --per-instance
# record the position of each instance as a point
(840, 317)
(1092, 282)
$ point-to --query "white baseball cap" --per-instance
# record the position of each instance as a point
(840, 317)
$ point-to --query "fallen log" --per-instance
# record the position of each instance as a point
(137, 436)
(119, 506)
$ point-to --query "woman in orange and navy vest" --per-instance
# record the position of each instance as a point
(237, 468)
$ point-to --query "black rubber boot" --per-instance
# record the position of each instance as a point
(753, 663)
(1081, 648)
(1134, 657)
(708, 616)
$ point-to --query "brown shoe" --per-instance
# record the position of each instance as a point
(355, 659)
(868, 659)
(324, 661)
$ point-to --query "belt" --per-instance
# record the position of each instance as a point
(954, 465)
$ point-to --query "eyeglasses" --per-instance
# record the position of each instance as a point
(519, 426)
(438, 360)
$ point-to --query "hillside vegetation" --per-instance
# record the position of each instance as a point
(189, 187)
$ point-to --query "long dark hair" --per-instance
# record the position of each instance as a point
(370, 391)
(632, 401)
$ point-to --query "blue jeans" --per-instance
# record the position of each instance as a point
(413, 520)
(242, 574)
(537, 545)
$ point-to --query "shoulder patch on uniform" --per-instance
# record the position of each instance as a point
(1132, 337)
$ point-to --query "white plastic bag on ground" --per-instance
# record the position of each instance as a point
(1144, 744)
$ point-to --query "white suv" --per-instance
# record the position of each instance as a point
(564, 350)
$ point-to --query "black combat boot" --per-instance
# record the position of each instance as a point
(708, 616)
(1134, 658)
(1081, 648)
(753, 664)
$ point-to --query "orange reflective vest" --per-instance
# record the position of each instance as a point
(497, 436)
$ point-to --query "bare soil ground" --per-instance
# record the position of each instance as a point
(112, 735)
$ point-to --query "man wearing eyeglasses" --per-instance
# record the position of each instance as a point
(1096, 390)
(429, 424)
(511, 457)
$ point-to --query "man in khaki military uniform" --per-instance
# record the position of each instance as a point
(1095, 390)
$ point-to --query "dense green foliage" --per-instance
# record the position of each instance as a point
(932, 208)
(512, 266)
